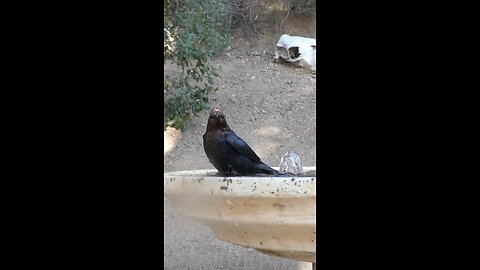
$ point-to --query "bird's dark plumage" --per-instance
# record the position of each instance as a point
(227, 152)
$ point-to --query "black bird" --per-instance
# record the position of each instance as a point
(227, 152)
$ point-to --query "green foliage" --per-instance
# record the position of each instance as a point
(194, 32)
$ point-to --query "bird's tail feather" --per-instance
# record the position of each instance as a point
(264, 168)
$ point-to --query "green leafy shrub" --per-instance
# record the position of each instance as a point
(194, 32)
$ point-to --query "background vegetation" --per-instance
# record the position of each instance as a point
(194, 33)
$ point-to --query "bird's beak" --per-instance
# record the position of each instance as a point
(215, 111)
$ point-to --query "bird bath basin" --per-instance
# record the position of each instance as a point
(273, 215)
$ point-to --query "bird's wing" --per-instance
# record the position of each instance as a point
(240, 146)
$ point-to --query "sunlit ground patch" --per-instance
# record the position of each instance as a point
(170, 138)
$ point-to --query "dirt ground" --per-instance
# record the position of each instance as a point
(272, 107)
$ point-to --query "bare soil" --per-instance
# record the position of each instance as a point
(272, 107)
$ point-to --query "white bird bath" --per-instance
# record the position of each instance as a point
(273, 215)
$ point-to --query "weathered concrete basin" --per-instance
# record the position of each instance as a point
(274, 215)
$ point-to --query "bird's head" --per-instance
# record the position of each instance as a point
(217, 119)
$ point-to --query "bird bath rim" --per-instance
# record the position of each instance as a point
(272, 186)
(273, 215)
